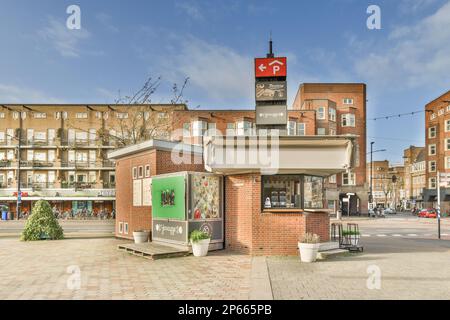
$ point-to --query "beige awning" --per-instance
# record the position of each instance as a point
(315, 155)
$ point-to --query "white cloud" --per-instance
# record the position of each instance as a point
(15, 94)
(65, 41)
(416, 55)
(107, 21)
(414, 6)
(189, 8)
(216, 71)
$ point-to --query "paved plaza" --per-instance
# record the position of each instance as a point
(414, 265)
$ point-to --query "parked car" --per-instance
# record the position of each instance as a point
(389, 211)
(427, 213)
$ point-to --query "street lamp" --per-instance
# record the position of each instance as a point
(371, 169)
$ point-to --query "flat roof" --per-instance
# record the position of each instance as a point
(157, 144)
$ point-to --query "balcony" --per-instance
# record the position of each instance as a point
(77, 185)
(6, 163)
(36, 164)
(34, 142)
(109, 185)
(36, 186)
(108, 164)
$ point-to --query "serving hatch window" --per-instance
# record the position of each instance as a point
(292, 192)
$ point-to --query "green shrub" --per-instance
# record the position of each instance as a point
(198, 235)
(350, 233)
(42, 224)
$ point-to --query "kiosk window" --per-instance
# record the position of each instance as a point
(292, 192)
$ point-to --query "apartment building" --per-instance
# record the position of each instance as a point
(414, 179)
(59, 152)
(437, 146)
(388, 184)
(341, 110)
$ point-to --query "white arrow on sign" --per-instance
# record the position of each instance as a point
(262, 67)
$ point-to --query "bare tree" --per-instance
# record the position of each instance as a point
(136, 119)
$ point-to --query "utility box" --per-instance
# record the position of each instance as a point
(186, 201)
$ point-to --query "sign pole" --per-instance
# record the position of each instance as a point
(438, 209)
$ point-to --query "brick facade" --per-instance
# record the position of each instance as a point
(251, 231)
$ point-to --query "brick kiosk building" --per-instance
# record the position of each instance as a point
(251, 226)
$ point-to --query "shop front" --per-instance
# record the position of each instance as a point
(273, 190)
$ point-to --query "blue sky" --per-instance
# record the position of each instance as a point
(405, 64)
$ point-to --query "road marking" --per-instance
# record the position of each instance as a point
(381, 235)
(412, 235)
(444, 234)
(366, 235)
(396, 235)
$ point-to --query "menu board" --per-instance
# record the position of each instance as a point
(137, 193)
(205, 191)
(147, 192)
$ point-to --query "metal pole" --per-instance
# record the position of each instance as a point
(19, 196)
(438, 209)
(371, 171)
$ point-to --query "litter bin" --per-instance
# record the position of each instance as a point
(4, 215)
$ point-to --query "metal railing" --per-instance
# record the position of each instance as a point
(36, 164)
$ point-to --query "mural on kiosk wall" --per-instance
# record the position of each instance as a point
(205, 197)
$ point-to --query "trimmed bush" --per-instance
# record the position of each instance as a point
(42, 224)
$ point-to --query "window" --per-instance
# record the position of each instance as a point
(291, 126)
(432, 166)
(321, 131)
(432, 132)
(432, 183)
(121, 227)
(301, 129)
(186, 129)
(432, 150)
(39, 115)
(244, 128)
(332, 179)
(433, 116)
(447, 162)
(448, 108)
(349, 179)
(2, 115)
(92, 177)
(348, 120)
(447, 144)
(332, 132)
(125, 228)
(134, 170)
(140, 172)
(147, 171)
(347, 101)
(230, 129)
(81, 115)
(162, 115)
(199, 128)
(441, 112)
(332, 114)
(122, 115)
(447, 125)
(321, 113)
(211, 129)
(292, 192)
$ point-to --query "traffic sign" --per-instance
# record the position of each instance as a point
(270, 67)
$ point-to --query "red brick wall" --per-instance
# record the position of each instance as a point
(160, 162)
(250, 231)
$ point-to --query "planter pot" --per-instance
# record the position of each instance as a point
(308, 251)
(352, 240)
(141, 236)
(200, 248)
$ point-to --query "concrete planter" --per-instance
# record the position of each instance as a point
(308, 251)
(200, 248)
(141, 236)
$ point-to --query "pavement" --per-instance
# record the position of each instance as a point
(412, 266)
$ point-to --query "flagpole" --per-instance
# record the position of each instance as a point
(439, 203)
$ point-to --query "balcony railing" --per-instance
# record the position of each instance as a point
(40, 142)
(36, 164)
(6, 163)
(108, 164)
(77, 185)
(109, 185)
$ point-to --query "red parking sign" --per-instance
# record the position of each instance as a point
(270, 67)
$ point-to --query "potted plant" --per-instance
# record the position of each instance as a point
(308, 247)
(351, 236)
(200, 243)
(141, 236)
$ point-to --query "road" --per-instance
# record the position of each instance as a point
(72, 228)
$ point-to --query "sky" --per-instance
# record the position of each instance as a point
(121, 43)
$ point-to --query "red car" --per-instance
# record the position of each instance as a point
(427, 213)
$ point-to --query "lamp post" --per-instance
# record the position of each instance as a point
(371, 170)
